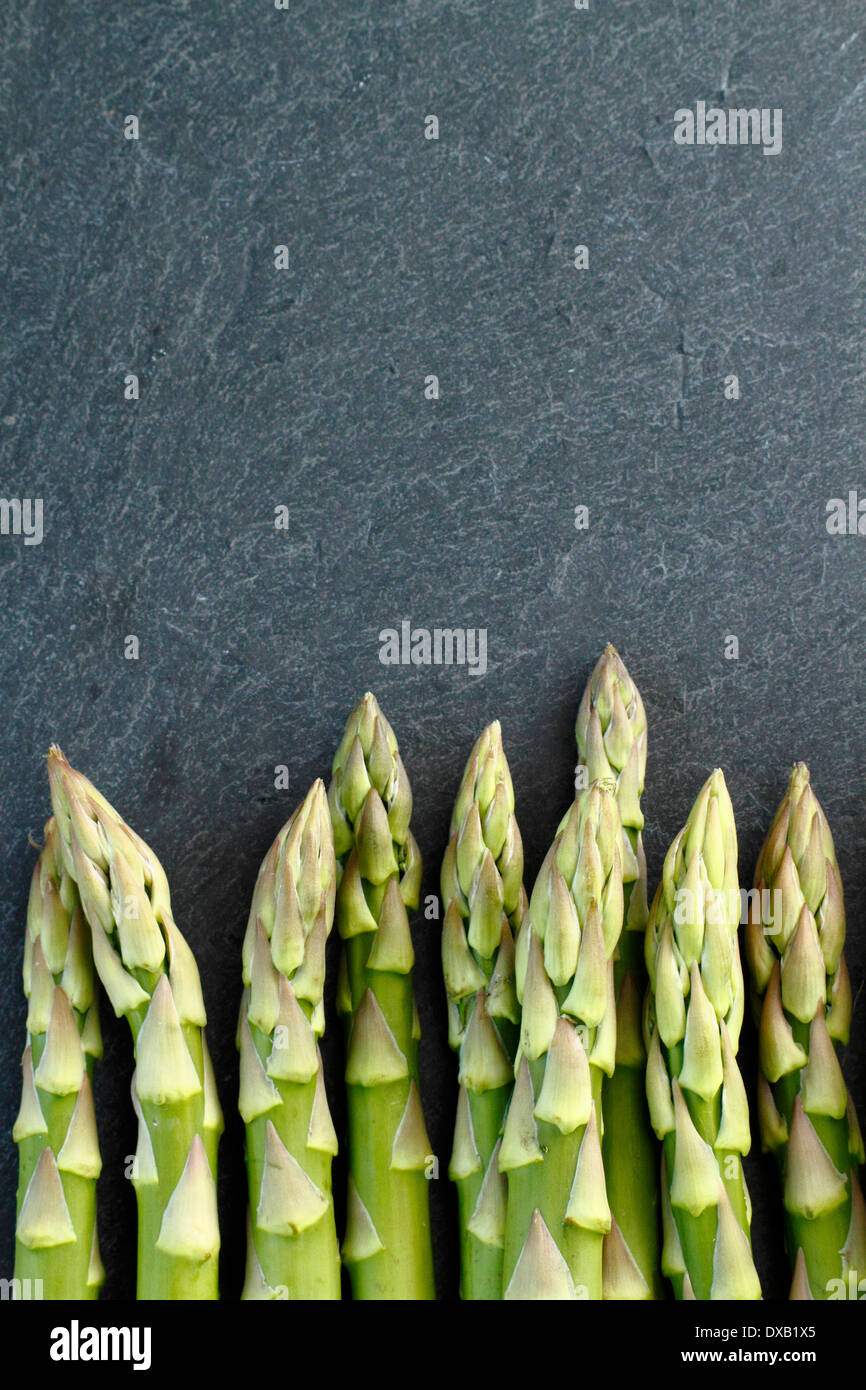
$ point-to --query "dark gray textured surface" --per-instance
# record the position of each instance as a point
(306, 388)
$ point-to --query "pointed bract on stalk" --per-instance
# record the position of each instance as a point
(802, 996)
(290, 1139)
(387, 1246)
(611, 732)
(151, 978)
(551, 1143)
(58, 1147)
(695, 1092)
(484, 902)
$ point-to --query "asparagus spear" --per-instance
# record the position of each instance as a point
(290, 1139)
(611, 741)
(557, 1212)
(151, 978)
(485, 902)
(56, 1246)
(696, 1096)
(387, 1245)
(801, 992)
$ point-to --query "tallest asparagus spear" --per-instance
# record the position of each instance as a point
(151, 978)
(611, 741)
(387, 1245)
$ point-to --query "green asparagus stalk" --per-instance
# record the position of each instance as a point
(290, 1139)
(697, 1100)
(150, 976)
(485, 903)
(802, 995)
(557, 1212)
(611, 741)
(56, 1247)
(387, 1246)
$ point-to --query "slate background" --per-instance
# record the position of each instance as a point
(305, 388)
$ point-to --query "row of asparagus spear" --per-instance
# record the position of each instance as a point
(601, 1117)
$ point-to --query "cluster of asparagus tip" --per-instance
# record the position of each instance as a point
(601, 1117)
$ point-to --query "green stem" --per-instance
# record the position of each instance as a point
(698, 1233)
(546, 1187)
(61, 1271)
(172, 1130)
(821, 1241)
(821, 1238)
(525, 1193)
(481, 1264)
(398, 1202)
(697, 1237)
(304, 1266)
(629, 1146)
(630, 1151)
(57, 1271)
